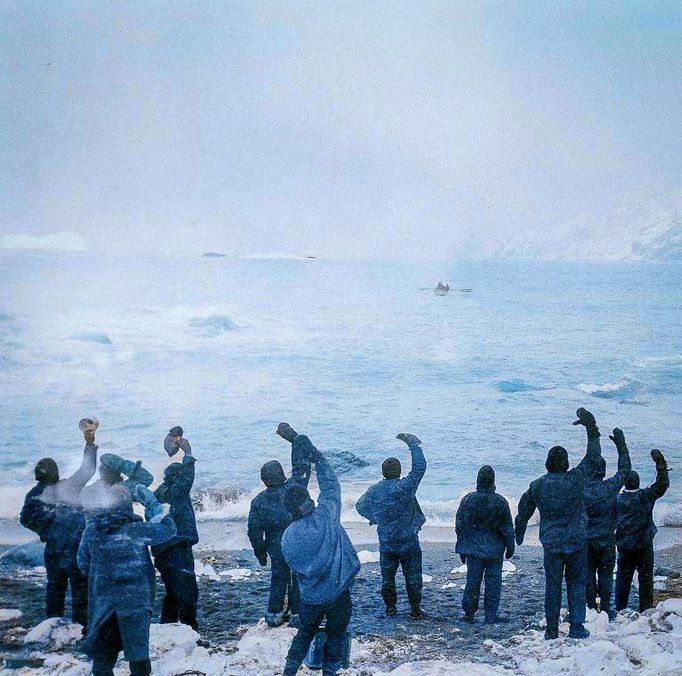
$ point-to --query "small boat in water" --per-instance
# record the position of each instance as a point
(441, 289)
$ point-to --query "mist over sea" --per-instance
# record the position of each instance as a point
(350, 353)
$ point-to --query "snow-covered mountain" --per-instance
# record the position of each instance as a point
(648, 228)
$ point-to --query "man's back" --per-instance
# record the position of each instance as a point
(484, 525)
(563, 520)
(392, 503)
(316, 546)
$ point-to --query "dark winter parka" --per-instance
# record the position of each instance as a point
(268, 516)
(600, 500)
(53, 511)
(483, 523)
(114, 554)
(635, 527)
(558, 495)
(316, 547)
(178, 479)
(392, 505)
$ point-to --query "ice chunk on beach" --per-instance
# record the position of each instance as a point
(671, 606)
(427, 578)
(198, 567)
(261, 650)
(366, 556)
(236, 573)
(659, 586)
(53, 634)
(508, 566)
(449, 585)
(462, 570)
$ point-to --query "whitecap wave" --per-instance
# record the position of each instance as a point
(626, 387)
(669, 514)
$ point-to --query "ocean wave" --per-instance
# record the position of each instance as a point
(233, 503)
(626, 387)
(98, 338)
(223, 504)
(517, 385)
(213, 325)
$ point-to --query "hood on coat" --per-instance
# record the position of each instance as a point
(486, 479)
(632, 482)
(557, 460)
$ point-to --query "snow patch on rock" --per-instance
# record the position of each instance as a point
(53, 634)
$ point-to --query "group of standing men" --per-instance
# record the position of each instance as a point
(95, 542)
(584, 519)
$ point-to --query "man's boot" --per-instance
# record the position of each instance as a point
(551, 633)
(578, 631)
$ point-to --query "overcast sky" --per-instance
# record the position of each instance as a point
(367, 129)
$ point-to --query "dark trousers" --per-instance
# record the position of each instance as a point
(338, 613)
(109, 645)
(641, 560)
(59, 576)
(282, 582)
(176, 565)
(601, 560)
(476, 569)
(572, 566)
(410, 559)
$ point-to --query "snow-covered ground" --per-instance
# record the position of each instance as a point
(649, 644)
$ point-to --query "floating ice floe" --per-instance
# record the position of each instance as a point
(236, 573)
(366, 556)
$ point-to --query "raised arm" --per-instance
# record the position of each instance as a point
(588, 464)
(300, 464)
(527, 508)
(76, 482)
(615, 483)
(660, 486)
(411, 482)
(184, 480)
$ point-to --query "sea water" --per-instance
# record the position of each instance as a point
(351, 353)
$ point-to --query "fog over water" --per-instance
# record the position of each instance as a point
(351, 130)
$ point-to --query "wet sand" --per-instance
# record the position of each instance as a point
(228, 608)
